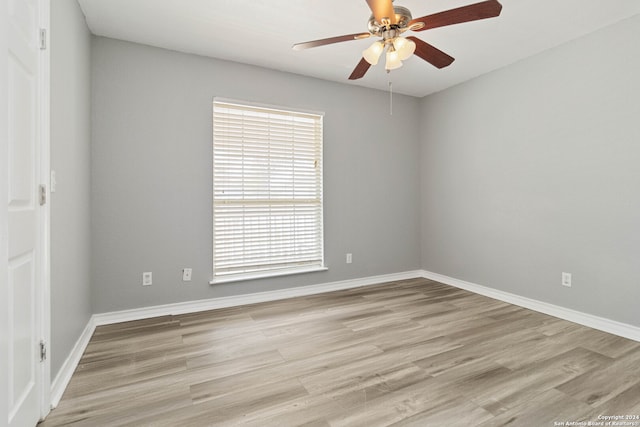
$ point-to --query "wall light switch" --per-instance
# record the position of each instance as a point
(53, 182)
(349, 259)
(566, 279)
(147, 278)
(186, 274)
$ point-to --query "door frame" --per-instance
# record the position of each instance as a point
(44, 136)
(4, 193)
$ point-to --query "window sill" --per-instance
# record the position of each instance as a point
(265, 275)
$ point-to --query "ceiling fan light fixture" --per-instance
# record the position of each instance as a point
(404, 47)
(393, 60)
(373, 52)
(388, 22)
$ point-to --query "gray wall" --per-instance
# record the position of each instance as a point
(151, 173)
(533, 170)
(71, 160)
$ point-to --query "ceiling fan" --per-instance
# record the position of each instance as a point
(389, 22)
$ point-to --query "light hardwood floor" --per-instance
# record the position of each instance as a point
(409, 353)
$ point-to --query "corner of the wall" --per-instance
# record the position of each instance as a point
(61, 381)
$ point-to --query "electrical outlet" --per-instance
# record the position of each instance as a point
(566, 279)
(349, 259)
(147, 278)
(186, 274)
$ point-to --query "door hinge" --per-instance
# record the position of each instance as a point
(43, 38)
(43, 351)
(43, 194)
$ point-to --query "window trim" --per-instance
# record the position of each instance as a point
(275, 272)
(242, 103)
(266, 275)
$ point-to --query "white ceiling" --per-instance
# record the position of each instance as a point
(261, 32)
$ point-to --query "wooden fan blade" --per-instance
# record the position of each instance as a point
(432, 55)
(360, 70)
(382, 9)
(330, 40)
(473, 12)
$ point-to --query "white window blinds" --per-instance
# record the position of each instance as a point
(267, 191)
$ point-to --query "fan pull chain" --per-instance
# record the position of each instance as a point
(390, 98)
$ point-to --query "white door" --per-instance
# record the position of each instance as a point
(27, 219)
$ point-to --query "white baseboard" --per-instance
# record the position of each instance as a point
(236, 300)
(59, 384)
(589, 320)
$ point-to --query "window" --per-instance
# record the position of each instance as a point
(267, 191)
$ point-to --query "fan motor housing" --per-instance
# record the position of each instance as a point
(403, 16)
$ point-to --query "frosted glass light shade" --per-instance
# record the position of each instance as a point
(404, 47)
(373, 52)
(393, 60)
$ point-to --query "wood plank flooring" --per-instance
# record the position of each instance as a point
(409, 353)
